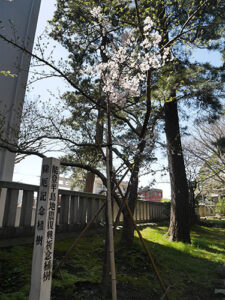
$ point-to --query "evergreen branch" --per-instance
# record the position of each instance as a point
(182, 30)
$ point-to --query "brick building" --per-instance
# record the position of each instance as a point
(148, 194)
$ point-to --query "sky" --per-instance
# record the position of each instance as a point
(28, 171)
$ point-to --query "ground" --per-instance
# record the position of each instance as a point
(189, 270)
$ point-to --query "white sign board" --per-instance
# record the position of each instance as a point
(18, 20)
(44, 240)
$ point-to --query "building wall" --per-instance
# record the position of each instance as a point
(18, 24)
(100, 188)
(64, 183)
(155, 195)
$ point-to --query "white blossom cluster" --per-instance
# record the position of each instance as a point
(96, 12)
(129, 60)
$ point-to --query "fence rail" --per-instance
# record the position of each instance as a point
(75, 209)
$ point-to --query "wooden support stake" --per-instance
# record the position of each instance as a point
(143, 242)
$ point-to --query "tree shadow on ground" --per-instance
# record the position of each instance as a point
(187, 269)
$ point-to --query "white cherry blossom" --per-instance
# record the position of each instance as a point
(96, 12)
(125, 71)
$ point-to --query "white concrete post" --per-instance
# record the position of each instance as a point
(18, 24)
(46, 213)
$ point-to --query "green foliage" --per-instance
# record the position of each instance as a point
(7, 73)
(167, 208)
(220, 143)
(166, 200)
(220, 206)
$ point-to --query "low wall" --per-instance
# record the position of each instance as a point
(75, 209)
(206, 210)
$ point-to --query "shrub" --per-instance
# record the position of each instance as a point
(220, 207)
(165, 200)
(166, 210)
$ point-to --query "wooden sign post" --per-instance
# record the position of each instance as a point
(46, 213)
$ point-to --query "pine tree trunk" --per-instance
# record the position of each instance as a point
(179, 229)
(193, 216)
(90, 178)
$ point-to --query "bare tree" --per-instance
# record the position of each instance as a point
(205, 156)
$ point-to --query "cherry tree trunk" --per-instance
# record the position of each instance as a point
(128, 228)
(90, 178)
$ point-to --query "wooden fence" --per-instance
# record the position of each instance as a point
(75, 209)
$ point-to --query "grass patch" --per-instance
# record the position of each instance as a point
(190, 270)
